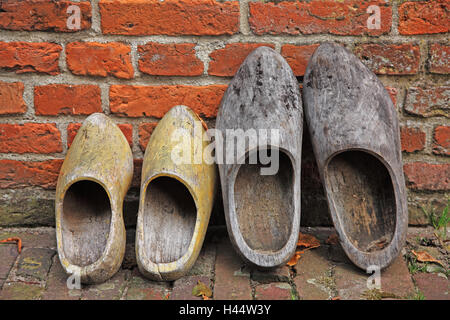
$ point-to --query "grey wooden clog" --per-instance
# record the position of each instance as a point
(262, 208)
(355, 136)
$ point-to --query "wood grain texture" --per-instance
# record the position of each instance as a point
(356, 140)
(92, 185)
(263, 212)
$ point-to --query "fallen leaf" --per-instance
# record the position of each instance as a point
(336, 298)
(423, 256)
(297, 255)
(205, 297)
(332, 239)
(14, 239)
(308, 241)
(201, 290)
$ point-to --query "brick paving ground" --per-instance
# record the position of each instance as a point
(321, 273)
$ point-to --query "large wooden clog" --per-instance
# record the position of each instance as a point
(356, 140)
(92, 184)
(262, 211)
(176, 197)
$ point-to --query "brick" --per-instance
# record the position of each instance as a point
(427, 176)
(392, 59)
(204, 265)
(424, 17)
(30, 137)
(171, 17)
(9, 253)
(35, 263)
(72, 129)
(441, 143)
(439, 61)
(145, 131)
(155, 101)
(142, 289)
(396, 279)
(273, 291)
(20, 291)
(11, 98)
(100, 59)
(280, 274)
(432, 286)
(351, 282)
(182, 288)
(393, 92)
(112, 289)
(225, 62)
(412, 139)
(56, 286)
(58, 99)
(22, 57)
(33, 237)
(231, 283)
(428, 102)
(42, 15)
(317, 16)
(175, 59)
(298, 56)
(20, 174)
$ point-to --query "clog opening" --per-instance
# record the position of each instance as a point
(169, 219)
(363, 196)
(86, 219)
(264, 204)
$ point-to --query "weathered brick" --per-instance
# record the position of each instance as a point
(155, 101)
(317, 16)
(56, 286)
(142, 289)
(100, 59)
(21, 57)
(280, 274)
(30, 137)
(427, 176)
(35, 263)
(170, 17)
(57, 99)
(9, 253)
(432, 286)
(145, 131)
(393, 92)
(428, 102)
(396, 279)
(441, 137)
(72, 129)
(422, 17)
(225, 62)
(350, 282)
(394, 59)
(42, 15)
(412, 139)
(273, 291)
(175, 59)
(11, 98)
(182, 288)
(439, 61)
(112, 289)
(298, 56)
(20, 291)
(204, 265)
(20, 174)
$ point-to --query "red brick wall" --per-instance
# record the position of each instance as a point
(135, 59)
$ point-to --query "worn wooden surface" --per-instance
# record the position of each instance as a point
(355, 135)
(263, 212)
(175, 200)
(92, 184)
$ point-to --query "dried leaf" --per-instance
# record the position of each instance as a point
(201, 290)
(308, 241)
(336, 298)
(423, 256)
(205, 297)
(332, 239)
(297, 255)
(14, 239)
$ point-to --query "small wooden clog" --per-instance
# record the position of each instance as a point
(92, 184)
(176, 198)
(262, 211)
(356, 140)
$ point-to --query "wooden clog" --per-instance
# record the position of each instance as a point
(355, 136)
(262, 211)
(176, 198)
(92, 184)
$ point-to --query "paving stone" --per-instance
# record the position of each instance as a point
(280, 274)
(8, 254)
(396, 279)
(32, 237)
(111, 289)
(182, 288)
(140, 288)
(204, 265)
(232, 281)
(56, 288)
(274, 291)
(35, 262)
(351, 282)
(313, 280)
(337, 254)
(20, 291)
(433, 286)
